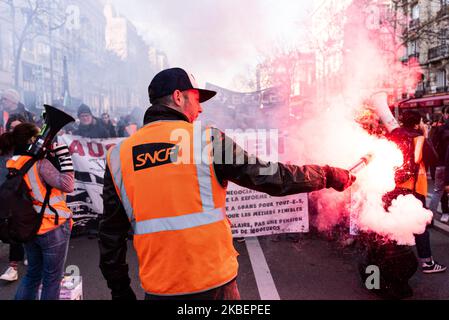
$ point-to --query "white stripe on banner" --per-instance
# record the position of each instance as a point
(264, 280)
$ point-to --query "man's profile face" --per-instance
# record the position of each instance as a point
(8, 105)
(192, 107)
(85, 119)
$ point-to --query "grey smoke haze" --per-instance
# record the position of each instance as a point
(216, 40)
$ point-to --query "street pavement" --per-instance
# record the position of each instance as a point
(312, 268)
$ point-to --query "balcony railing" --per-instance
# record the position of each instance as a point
(414, 55)
(442, 89)
(422, 88)
(419, 93)
(439, 52)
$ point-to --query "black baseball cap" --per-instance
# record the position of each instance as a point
(169, 80)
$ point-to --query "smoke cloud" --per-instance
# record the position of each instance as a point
(332, 136)
(217, 40)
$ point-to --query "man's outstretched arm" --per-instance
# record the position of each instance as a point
(233, 163)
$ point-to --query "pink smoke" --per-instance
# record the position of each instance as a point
(331, 135)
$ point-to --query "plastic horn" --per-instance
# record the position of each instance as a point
(362, 163)
(380, 104)
(54, 120)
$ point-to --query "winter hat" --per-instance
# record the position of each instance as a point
(83, 109)
(12, 95)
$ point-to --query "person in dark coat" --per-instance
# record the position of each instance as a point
(90, 126)
(106, 121)
(440, 139)
(16, 250)
(9, 105)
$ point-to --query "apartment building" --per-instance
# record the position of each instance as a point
(61, 51)
(427, 39)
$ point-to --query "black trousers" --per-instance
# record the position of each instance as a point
(229, 291)
(16, 252)
(422, 240)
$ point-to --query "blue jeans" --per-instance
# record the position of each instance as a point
(46, 258)
(439, 193)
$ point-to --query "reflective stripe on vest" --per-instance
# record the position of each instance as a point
(116, 173)
(34, 183)
(178, 223)
(209, 215)
(203, 170)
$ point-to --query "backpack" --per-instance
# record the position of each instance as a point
(440, 140)
(430, 155)
(19, 221)
(404, 140)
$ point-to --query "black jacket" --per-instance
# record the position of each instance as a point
(440, 140)
(29, 116)
(95, 130)
(114, 224)
(111, 129)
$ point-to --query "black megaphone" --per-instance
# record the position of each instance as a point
(54, 120)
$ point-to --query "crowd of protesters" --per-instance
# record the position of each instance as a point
(14, 113)
(87, 124)
(104, 125)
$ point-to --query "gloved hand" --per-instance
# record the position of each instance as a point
(339, 179)
(62, 152)
(126, 294)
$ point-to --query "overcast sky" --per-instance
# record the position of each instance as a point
(217, 39)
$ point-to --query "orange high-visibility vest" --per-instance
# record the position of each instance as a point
(38, 192)
(165, 179)
(418, 183)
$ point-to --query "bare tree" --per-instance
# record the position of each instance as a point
(409, 31)
(30, 19)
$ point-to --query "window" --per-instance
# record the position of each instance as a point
(413, 48)
(441, 79)
(443, 35)
(27, 70)
(415, 12)
(444, 8)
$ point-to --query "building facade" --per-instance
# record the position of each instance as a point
(414, 32)
(293, 74)
(427, 39)
(344, 32)
(63, 52)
